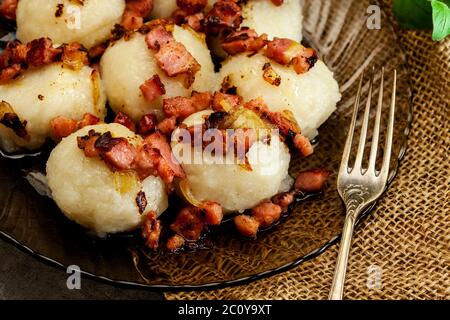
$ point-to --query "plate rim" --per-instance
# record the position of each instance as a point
(8, 238)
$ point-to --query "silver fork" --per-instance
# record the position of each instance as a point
(360, 187)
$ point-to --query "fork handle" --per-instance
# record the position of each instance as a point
(337, 288)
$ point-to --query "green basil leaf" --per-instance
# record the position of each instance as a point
(441, 20)
(414, 14)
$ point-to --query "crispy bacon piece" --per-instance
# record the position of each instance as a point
(159, 142)
(195, 21)
(10, 73)
(284, 200)
(87, 144)
(74, 56)
(189, 223)
(175, 60)
(225, 14)
(8, 9)
(287, 52)
(192, 6)
(41, 52)
(98, 50)
(125, 120)
(147, 124)
(246, 225)
(146, 161)
(121, 156)
(303, 144)
(182, 107)
(153, 88)
(157, 37)
(135, 12)
(270, 75)
(175, 243)
(215, 120)
(244, 40)
(151, 230)
(63, 127)
(167, 126)
(312, 180)
(213, 212)
(277, 2)
(14, 53)
(267, 213)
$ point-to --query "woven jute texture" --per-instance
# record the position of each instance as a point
(403, 250)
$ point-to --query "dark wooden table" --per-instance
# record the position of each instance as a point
(24, 277)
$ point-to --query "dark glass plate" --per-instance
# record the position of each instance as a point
(338, 30)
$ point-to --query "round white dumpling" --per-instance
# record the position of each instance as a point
(165, 8)
(45, 93)
(236, 188)
(283, 21)
(90, 194)
(312, 97)
(89, 22)
(127, 64)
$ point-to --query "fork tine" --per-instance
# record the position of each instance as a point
(376, 130)
(351, 131)
(365, 126)
(390, 133)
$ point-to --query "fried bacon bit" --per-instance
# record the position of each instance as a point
(246, 225)
(141, 201)
(175, 243)
(303, 144)
(225, 15)
(74, 56)
(147, 124)
(244, 40)
(192, 6)
(63, 127)
(121, 155)
(175, 60)
(87, 144)
(277, 2)
(125, 120)
(288, 127)
(213, 212)
(270, 75)
(10, 73)
(267, 213)
(160, 143)
(195, 21)
(14, 53)
(151, 230)
(153, 88)
(182, 107)
(11, 120)
(135, 12)
(312, 180)
(41, 52)
(8, 9)
(98, 50)
(189, 223)
(216, 119)
(158, 36)
(284, 200)
(167, 126)
(290, 52)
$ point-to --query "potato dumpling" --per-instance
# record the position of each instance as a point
(283, 21)
(65, 21)
(92, 195)
(127, 64)
(45, 93)
(311, 97)
(232, 185)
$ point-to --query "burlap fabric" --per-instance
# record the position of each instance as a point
(407, 239)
